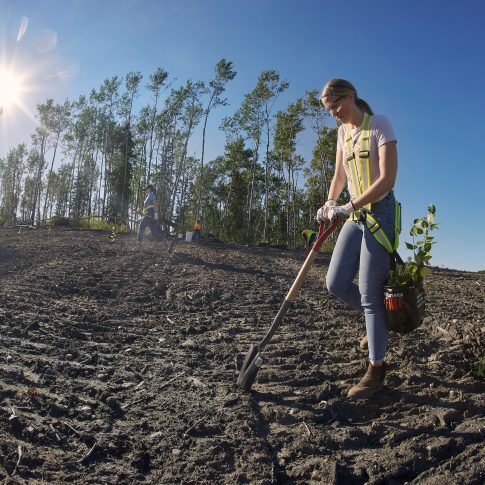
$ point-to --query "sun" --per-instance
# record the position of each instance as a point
(10, 89)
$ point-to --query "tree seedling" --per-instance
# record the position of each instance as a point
(416, 267)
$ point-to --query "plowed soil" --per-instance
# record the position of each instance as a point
(119, 366)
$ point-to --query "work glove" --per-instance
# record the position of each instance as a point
(341, 211)
(322, 213)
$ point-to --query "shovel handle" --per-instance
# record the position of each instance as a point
(323, 233)
(291, 296)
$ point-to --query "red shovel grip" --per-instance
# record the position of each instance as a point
(324, 232)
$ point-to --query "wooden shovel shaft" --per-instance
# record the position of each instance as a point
(291, 296)
(322, 235)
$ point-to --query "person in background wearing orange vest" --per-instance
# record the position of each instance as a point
(197, 229)
(309, 236)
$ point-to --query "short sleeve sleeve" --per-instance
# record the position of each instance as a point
(341, 138)
(384, 132)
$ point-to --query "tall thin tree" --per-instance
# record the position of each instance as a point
(223, 74)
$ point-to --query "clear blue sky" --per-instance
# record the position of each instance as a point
(421, 63)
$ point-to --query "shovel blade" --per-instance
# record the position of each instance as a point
(250, 367)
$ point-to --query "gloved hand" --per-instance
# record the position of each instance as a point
(322, 213)
(339, 211)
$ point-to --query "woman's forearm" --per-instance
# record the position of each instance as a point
(379, 188)
(336, 188)
(339, 179)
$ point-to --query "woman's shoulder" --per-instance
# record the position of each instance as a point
(342, 130)
(382, 128)
(380, 120)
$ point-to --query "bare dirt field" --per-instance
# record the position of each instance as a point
(119, 367)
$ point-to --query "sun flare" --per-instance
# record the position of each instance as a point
(10, 89)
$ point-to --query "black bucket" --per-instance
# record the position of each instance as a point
(404, 307)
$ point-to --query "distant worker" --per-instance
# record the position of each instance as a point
(309, 236)
(150, 218)
(197, 230)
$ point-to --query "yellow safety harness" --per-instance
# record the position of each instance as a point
(145, 209)
(361, 182)
(307, 233)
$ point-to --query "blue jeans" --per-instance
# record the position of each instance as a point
(148, 221)
(357, 250)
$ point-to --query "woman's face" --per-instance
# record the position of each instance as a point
(337, 106)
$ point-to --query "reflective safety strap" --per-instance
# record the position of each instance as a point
(362, 182)
(354, 176)
(377, 231)
(364, 154)
(145, 209)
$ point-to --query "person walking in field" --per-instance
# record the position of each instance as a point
(366, 161)
(150, 218)
(309, 236)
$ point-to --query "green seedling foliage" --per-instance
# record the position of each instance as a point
(416, 268)
(50, 225)
(116, 227)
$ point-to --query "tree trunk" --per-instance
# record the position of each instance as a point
(266, 180)
(49, 175)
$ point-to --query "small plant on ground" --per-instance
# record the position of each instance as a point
(50, 225)
(116, 227)
(417, 267)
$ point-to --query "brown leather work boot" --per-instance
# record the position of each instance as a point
(364, 343)
(371, 383)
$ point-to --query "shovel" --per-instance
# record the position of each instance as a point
(253, 360)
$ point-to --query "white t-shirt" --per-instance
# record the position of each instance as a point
(380, 132)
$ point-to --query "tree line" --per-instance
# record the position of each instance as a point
(90, 158)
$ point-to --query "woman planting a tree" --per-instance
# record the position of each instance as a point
(367, 161)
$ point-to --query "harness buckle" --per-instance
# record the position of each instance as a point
(358, 216)
(364, 154)
(350, 156)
